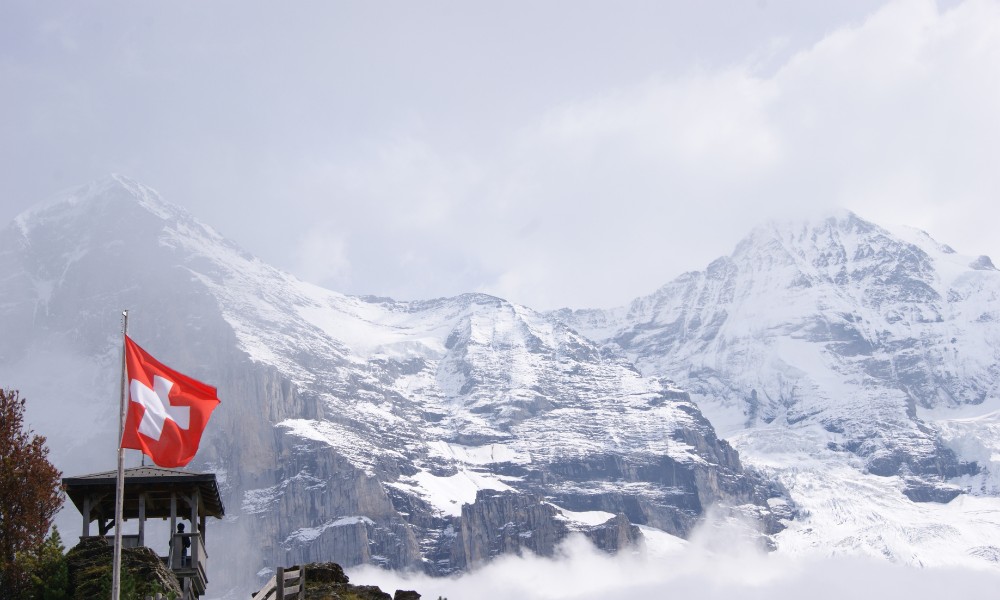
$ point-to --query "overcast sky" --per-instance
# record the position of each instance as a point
(554, 153)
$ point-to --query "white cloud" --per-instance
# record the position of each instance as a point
(322, 255)
(695, 570)
(579, 166)
(894, 118)
(400, 220)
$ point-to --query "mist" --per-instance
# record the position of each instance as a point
(581, 572)
(564, 154)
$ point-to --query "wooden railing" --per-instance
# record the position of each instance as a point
(192, 555)
(286, 583)
(188, 563)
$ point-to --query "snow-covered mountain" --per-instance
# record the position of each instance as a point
(855, 369)
(855, 364)
(429, 435)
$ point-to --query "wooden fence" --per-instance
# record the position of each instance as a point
(286, 583)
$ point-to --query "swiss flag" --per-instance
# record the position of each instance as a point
(167, 411)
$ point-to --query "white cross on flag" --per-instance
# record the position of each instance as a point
(167, 411)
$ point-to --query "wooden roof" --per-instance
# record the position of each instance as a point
(157, 483)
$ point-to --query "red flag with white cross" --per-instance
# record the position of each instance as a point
(167, 411)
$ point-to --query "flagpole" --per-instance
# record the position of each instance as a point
(120, 484)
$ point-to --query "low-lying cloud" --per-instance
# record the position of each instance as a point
(581, 572)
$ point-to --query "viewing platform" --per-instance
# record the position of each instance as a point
(154, 493)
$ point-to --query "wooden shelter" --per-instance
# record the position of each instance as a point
(154, 493)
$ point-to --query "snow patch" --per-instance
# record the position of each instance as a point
(448, 494)
(479, 455)
(308, 534)
(589, 518)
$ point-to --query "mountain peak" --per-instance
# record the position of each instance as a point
(113, 192)
(840, 220)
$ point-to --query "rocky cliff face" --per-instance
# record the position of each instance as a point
(508, 523)
(407, 434)
(485, 395)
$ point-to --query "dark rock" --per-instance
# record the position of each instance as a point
(505, 522)
(920, 490)
(615, 534)
(367, 592)
(326, 573)
(983, 263)
(90, 571)
(327, 581)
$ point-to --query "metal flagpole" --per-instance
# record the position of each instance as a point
(116, 579)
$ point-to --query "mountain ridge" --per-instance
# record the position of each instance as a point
(437, 434)
(431, 435)
(815, 305)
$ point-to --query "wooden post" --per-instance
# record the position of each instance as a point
(86, 516)
(173, 529)
(302, 582)
(193, 502)
(279, 582)
(142, 519)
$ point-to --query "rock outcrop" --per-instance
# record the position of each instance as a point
(505, 523)
(143, 573)
(327, 581)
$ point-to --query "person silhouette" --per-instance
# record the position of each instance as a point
(185, 544)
